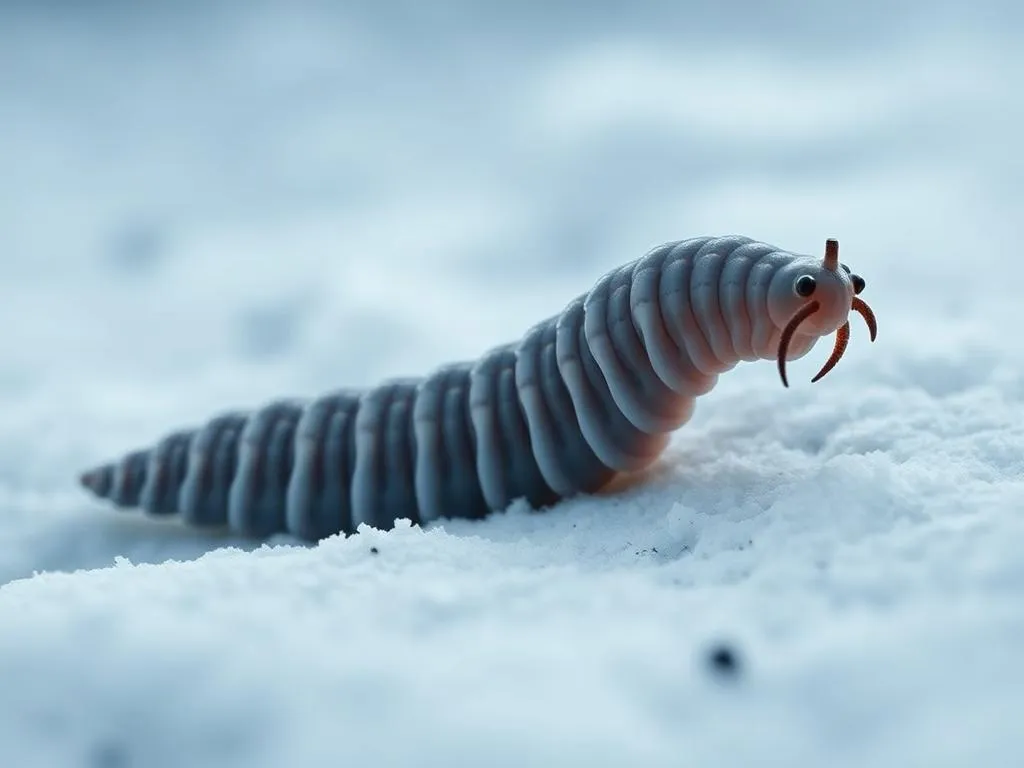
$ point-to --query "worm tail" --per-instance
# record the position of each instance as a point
(284, 467)
(196, 466)
(404, 449)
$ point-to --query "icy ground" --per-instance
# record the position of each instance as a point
(205, 206)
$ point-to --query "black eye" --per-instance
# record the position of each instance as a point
(846, 268)
(858, 283)
(805, 285)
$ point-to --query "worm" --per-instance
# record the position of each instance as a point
(583, 396)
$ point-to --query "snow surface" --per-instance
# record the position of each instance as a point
(205, 206)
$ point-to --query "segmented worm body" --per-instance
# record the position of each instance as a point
(584, 395)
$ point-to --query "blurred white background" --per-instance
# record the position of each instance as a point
(205, 205)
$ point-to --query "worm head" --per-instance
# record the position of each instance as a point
(810, 298)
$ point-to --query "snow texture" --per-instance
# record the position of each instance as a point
(205, 206)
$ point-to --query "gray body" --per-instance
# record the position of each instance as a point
(589, 393)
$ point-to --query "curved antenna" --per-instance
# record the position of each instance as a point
(867, 314)
(842, 339)
(787, 337)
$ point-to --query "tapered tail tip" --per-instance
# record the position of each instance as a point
(89, 480)
(96, 480)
